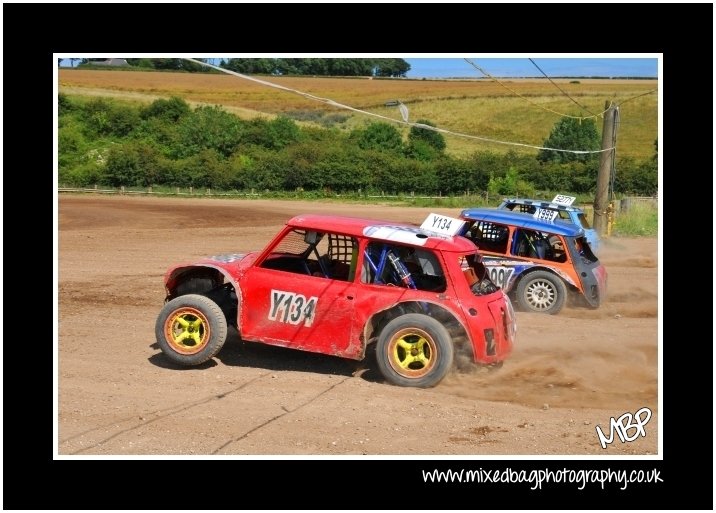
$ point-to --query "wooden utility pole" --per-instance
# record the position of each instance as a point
(601, 200)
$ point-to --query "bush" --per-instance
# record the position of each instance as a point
(105, 118)
(275, 134)
(133, 164)
(208, 128)
(70, 139)
(281, 132)
(86, 174)
(379, 136)
(205, 169)
(419, 149)
(430, 137)
(510, 185)
(64, 104)
(455, 176)
(171, 110)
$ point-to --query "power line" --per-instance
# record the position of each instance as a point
(562, 90)
(600, 115)
(561, 114)
(386, 118)
(635, 97)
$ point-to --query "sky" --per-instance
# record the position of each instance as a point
(523, 67)
(446, 67)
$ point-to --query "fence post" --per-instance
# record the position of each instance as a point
(208, 191)
(149, 189)
(121, 190)
(191, 190)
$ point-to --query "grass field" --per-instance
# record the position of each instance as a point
(481, 107)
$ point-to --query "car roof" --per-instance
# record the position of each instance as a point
(389, 231)
(522, 220)
(540, 204)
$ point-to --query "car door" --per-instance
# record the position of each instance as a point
(299, 311)
(505, 265)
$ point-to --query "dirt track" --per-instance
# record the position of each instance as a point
(119, 396)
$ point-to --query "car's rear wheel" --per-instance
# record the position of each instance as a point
(191, 329)
(414, 350)
(541, 292)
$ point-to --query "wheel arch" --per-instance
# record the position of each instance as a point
(218, 275)
(451, 320)
(568, 281)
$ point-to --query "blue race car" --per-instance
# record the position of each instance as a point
(540, 264)
(551, 210)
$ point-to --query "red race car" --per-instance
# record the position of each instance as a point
(334, 285)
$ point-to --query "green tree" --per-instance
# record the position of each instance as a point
(509, 185)
(106, 117)
(133, 164)
(208, 127)
(275, 134)
(431, 137)
(571, 134)
(391, 67)
(419, 149)
(380, 136)
(262, 66)
(172, 109)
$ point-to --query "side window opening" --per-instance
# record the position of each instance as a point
(325, 255)
(585, 223)
(476, 275)
(538, 245)
(387, 264)
(340, 257)
(584, 250)
(489, 236)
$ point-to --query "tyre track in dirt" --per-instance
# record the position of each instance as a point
(157, 415)
(277, 417)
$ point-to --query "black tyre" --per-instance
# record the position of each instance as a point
(541, 292)
(414, 350)
(190, 329)
(196, 285)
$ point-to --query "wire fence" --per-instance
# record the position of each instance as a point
(207, 192)
(627, 203)
(468, 198)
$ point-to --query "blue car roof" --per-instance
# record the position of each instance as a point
(541, 204)
(522, 220)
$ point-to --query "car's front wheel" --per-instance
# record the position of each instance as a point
(191, 329)
(414, 350)
(542, 292)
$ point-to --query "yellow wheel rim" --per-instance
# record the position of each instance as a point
(412, 352)
(187, 330)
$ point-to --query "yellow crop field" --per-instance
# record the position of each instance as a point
(512, 111)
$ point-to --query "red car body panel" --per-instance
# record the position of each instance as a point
(332, 316)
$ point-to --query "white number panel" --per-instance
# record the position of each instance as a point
(292, 308)
(561, 199)
(442, 224)
(545, 215)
